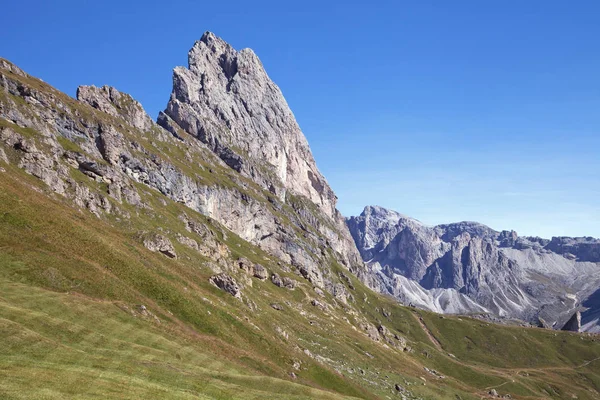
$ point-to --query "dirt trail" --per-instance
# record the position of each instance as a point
(432, 338)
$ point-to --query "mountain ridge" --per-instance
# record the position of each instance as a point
(444, 257)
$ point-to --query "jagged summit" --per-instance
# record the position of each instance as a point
(382, 212)
(214, 43)
(208, 36)
(226, 99)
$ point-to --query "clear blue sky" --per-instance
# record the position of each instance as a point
(442, 110)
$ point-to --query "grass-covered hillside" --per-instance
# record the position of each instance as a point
(88, 311)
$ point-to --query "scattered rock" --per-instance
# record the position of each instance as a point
(251, 305)
(246, 265)
(260, 272)
(160, 243)
(226, 283)
(296, 364)
(276, 280)
(186, 241)
(493, 393)
(434, 373)
(289, 283)
(284, 282)
(281, 333)
(318, 304)
(277, 306)
(371, 331)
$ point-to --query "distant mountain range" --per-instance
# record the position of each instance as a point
(467, 267)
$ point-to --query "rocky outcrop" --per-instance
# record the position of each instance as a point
(160, 243)
(574, 323)
(260, 272)
(117, 104)
(467, 267)
(581, 248)
(226, 283)
(284, 282)
(226, 99)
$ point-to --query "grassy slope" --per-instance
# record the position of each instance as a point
(81, 339)
(70, 325)
(70, 280)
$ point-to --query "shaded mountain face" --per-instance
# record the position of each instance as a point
(468, 267)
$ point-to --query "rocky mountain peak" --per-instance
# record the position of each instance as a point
(118, 104)
(209, 37)
(226, 100)
(380, 216)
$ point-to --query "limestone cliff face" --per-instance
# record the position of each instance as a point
(507, 275)
(226, 99)
(117, 104)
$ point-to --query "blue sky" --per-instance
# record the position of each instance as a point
(444, 111)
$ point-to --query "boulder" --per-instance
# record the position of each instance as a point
(276, 280)
(260, 272)
(160, 243)
(246, 265)
(289, 283)
(227, 283)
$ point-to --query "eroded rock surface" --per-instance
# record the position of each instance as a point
(227, 283)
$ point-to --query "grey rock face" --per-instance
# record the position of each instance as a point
(260, 272)
(226, 283)
(160, 243)
(226, 99)
(468, 267)
(582, 248)
(115, 103)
